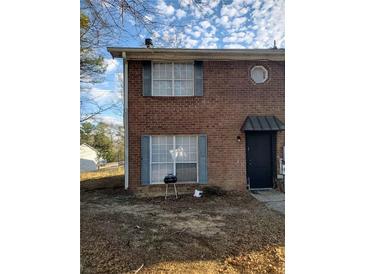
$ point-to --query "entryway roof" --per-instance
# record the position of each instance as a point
(262, 123)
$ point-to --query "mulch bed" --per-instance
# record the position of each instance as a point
(213, 234)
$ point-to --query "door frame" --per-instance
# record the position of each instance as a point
(273, 135)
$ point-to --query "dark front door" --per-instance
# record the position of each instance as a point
(259, 157)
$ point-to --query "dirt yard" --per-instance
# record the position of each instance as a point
(216, 234)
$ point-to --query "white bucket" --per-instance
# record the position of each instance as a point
(198, 193)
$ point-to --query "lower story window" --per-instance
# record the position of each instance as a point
(174, 154)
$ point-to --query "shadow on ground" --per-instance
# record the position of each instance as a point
(227, 234)
(103, 183)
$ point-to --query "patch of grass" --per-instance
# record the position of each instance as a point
(103, 173)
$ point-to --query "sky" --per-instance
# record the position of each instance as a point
(213, 24)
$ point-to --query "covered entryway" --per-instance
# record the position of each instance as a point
(261, 150)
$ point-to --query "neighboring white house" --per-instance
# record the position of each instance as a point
(88, 158)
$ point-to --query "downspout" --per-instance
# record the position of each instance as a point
(125, 115)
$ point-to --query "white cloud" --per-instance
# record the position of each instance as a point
(190, 43)
(155, 34)
(111, 64)
(205, 24)
(262, 22)
(230, 39)
(224, 21)
(197, 33)
(234, 46)
(184, 3)
(268, 16)
(166, 36)
(229, 10)
(205, 9)
(168, 10)
(243, 11)
(104, 95)
(237, 22)
(213, 4)
(249, 37)
(180, 13)
(248, 23)
(98, 93)
(197, 13)
(234, 37)
(110, 120)
(208, 42)
(177, 38)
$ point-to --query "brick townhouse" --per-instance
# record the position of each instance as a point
(209, 116)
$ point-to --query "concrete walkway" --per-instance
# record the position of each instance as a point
(273, 199)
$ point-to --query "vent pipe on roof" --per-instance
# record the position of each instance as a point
(275, 47)
(148, 43)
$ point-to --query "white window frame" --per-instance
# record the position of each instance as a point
(173, 78)
(266, 74)
(174, 162)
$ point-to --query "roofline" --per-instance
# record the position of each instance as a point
(197, 54)
(85, 144)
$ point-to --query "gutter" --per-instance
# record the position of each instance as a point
(196, 51)
(125, 116)
(198, 54)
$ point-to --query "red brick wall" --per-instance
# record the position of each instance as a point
(229, 96)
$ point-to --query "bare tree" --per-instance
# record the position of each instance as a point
(109, 17)
(102, 23)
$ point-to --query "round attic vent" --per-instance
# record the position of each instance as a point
(259, 74)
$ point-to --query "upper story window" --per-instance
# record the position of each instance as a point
(259, 74)
(172, 79)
